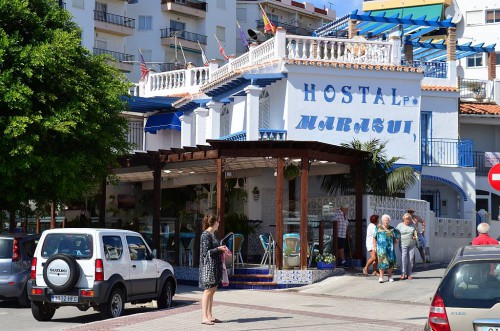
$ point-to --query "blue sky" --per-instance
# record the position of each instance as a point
(341, 6)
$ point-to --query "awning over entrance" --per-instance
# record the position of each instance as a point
(143, 105)
(163, 121)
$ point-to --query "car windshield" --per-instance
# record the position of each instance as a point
(472, 284)
(78, 245)
(5, 248)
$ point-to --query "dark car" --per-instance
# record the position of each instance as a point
(468, 297)
(16, 253)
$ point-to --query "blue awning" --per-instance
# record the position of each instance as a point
(143, 105)
(164, 121)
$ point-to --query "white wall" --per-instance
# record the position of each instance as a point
(85, 19)
(444, 108)
(163, 139)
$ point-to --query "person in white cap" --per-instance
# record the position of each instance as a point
(340, 216)
(483, 237)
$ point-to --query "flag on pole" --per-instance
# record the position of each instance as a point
(268, 25)
(221, 49)
(243, 37)
(182, 51)
(203, 55)
(144, 68)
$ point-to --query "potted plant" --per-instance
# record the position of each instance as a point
(290, 260)
(476, 88)
(255, 193)
(291, 171)
(325, 261)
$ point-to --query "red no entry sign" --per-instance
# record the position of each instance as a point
(494, 177)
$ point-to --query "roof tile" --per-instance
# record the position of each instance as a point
(479, 109)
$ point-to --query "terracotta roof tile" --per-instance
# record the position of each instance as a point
(479, 109)
(439, 88)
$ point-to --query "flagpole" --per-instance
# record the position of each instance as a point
(182, 51)
(203, 55)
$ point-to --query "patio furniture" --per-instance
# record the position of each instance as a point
(265, 240)
(187, 239)
(236, 250)
(291, 250)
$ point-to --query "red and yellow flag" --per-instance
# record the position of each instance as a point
(268, 25)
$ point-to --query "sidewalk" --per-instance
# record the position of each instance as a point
(350, 302)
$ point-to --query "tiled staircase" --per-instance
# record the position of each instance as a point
(252, 279)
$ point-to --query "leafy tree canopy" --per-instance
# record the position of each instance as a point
(60, 106)
(378, 172)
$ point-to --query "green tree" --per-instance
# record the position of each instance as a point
(60, 123)
(379, 176)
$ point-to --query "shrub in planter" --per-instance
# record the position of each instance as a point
(291, 171)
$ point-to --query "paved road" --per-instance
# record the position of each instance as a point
(349, 302)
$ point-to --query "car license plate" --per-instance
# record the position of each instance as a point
(490, 328)
(64, 298)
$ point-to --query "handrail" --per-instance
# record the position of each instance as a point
(272, 257)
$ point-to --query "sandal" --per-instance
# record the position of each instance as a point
(208, 323)
(217, 321)
(375, 273)
(403, 277)
(409, 278)
(365, 271)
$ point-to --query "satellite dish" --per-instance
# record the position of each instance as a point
(454, 14)
(256, 35)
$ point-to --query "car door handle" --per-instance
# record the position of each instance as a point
(134, 266)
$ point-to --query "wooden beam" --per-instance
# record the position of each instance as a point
(279, 213)
(304, 191)
(221, 185)
(358, 252)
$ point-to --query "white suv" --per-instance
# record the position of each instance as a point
(99, 268)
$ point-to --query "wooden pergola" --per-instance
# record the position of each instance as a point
(212, 159)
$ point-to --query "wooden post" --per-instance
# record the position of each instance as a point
(52, 215)
(279, 213)
(221, 186)
(335, 238)
(304, 192)
(38, 225)
(196, 247)
(321, 236)
(358, 252)
(177, 241)
(156, 203)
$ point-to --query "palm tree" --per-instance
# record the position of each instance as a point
(378, 173)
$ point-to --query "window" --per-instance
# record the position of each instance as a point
(493, 16)
(225, 121)
(474, 17)
(100, 44)
(6, 248)
(273, 18)
(221, 4)
(147, 54)
(475, 60)
(137, 248)
(497, 58)
(241, 14)
(177, 25)
(78, 4)
(102, 7)
(29, 247)
(264, 110)
(113, 247)
(221, 33)
(145, 23)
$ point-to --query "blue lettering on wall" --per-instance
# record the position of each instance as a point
(307, 92)
(379, 97)
(329, 89)
(307, 122)
(394, 95)
(343, 124)
(364, 90)
(362, 126)
(346, 91)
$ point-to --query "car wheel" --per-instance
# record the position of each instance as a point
(114, 306)
(165, 298)
(61, 272)
(24, 300)
(42, 311)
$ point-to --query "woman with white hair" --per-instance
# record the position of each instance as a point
(483, 237)
(384, 242)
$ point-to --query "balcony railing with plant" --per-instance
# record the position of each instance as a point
(185, 35)
(120, 57)
(447, 152)
(114, 19)
(479, 90)
(480, 164)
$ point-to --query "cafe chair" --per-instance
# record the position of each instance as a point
(265, 240)
(236, 250)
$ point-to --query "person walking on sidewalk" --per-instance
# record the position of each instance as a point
(408, 244)
(417, 221)
(384, 242)
(370, 231)
(483, 237)
(210, 267)
(340, 216)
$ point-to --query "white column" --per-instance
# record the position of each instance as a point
(395, 50)
(187, 129)
(213, 122)
(496, 91)
(280, 43)
(201, 119)
(252, 111)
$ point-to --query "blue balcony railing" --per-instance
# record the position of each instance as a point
(447, 152)
(186, 35)
(264, 134)
(431, 69)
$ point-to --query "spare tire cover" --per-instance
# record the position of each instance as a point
(61, 272)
